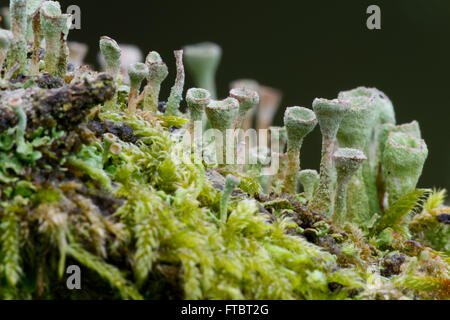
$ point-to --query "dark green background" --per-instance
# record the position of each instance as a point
(308, 49)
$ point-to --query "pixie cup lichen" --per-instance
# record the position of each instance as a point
(5, 43)
(299, 122)
(310, 182)
(53, 23)
(403, 160)
(111, 53)
(197, 99)
(248, 99)
(137, 73)
(176, 93)
(34, 32)
(347, 163)
(18, 50)
(222, 116)
(355, 132)
(252, 85)
(202, 61)
(270, 100)
(158, 72)
(330, 115)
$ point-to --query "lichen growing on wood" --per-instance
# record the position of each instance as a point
(94, 173)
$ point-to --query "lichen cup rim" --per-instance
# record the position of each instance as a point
(198, 96)
(405, 141)
(226, 104)
(349, 98)
(301, 114)
(245, 94)
(204, 49)
(350, 154)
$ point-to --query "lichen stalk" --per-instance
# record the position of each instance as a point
(63, 58)
(310, 182)
(403, 161)
(137, 73)
(347, 162)
(222, 116)
(197, 99)
(252, 85)
(18, 49)
(248, 99)
(5, 43)
(158, 72)
(299, 122)
(111, 53)
(176, 93)
(53, 24)
(355, 132)
(330, 115)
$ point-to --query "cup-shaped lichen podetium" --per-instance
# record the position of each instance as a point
(355, 132)
(347, 163)
(137, 73)
(202, 61)
(222, 116)
(299, 122)
(53, 23)
(330, 115)
(18, 49)
(5, 42)
(403, 160)
(111, 53)
(310, 182)
(34, 32)
(197, 99)
(248, 99)
(158, 72)
(270, 100)
(252, 85)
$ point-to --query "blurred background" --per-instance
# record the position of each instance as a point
(307, 49)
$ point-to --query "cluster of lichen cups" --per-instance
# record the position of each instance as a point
(368, 162)
(361, 146)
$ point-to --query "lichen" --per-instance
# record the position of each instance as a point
(95, 173)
